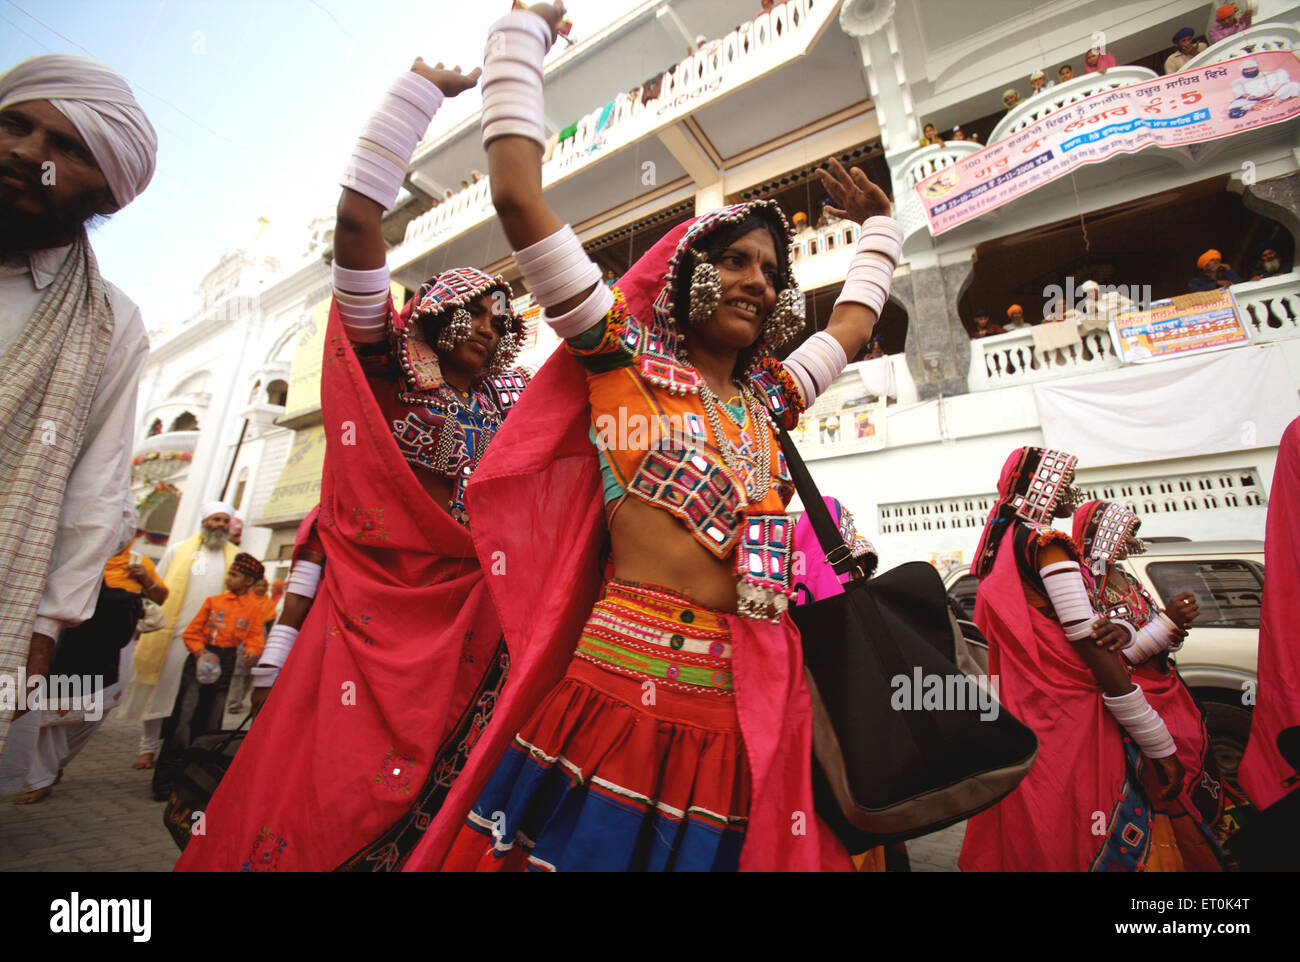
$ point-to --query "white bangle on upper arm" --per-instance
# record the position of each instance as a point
(512, 78)
(304, 577)
(815, 364)
(1063, 583)
(880, 246)
(556, 269)
(387, 142)
(362, 297)
(279, 642)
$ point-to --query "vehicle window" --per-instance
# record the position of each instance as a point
(1227, 592)
(963, 591)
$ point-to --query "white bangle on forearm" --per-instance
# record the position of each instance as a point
(279, 642)
(815, 364)
(1063, 583)
(556, 269)
(512, 78)
(362, 297)
(387, 141)
(1150, 640)
(880, 246)
(304, 577)
(1139, 719)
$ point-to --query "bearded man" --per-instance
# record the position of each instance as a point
(74, 145)
(192, 570)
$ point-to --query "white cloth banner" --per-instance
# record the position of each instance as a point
(1211, 404)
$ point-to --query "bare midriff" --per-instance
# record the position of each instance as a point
(650, 545)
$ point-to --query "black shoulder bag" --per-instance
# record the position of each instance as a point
(904, 742)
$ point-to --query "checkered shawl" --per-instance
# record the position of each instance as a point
(47, 383)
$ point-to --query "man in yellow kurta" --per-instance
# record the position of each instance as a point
(193, 570)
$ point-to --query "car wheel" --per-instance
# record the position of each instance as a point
(1228, 727)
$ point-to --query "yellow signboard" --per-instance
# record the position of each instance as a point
(298, 489)
(308, 355)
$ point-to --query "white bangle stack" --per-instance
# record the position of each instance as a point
(814, 364)
(1143, 725)
(556, 269)
(362, 297)
(512, 78)
(880, 247)
(1157, 635)
(279, 642)
(387, 142)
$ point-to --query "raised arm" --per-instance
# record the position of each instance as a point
(371, 183)
(556, 269)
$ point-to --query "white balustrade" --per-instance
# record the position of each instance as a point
(1270, 308)
(679, 94)
(1260, 38)
(1007, 360)
(1049, 101)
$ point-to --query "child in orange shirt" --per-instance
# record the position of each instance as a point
(215, 633)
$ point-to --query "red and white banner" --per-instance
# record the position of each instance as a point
(1184, 108)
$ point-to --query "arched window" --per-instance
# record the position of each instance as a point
(185, 421)
(277, 392)
(238, 501)
(257, 388)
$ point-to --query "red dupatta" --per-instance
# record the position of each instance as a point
(1046, 824)
(348, 752)
(1263, 772)
(539, 528)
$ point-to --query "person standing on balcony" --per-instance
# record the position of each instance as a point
(75, 146)
(670, 679)
(1015, 318)
(1098, 308)
(1086, 803)
(1038, 83)
(1228, 21)
(1188, 47)
(983, 328)
(1214, 273)
(1064, 72)
(1010, 97)
(1105, 534)
(1267, 264)
(930, 136)
(388, 663)
(192, 569)
(1094, 61)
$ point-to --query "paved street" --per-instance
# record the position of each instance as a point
(101, 818)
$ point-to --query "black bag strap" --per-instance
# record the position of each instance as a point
(838, 555)
(231, 737)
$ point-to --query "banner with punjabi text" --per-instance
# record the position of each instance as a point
(1184, 108)
(1179, 326)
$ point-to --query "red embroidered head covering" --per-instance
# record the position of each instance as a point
(1100, 530)
(1032, 483)
(651, 284)
(438, 299)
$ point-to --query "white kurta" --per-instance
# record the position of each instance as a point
(207, 578)
(90, 519)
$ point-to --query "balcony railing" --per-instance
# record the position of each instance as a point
(1056, 98)
(1257, 39)
(821, 257)
(746, 52)
(1008, 360)
(1271, 307)
(914, 166)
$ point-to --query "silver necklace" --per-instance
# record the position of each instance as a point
(756, 416)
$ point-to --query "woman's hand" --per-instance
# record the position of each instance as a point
(1170, 774)
(1109, 634)
(552, 13)
(854, 193)
(450, 82)
(1183, 610)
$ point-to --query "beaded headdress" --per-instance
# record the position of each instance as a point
(1032, 484)
(437, 297)
(692, 241)
(1101, 528)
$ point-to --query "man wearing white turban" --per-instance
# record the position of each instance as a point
(192, 570)
(74, 144)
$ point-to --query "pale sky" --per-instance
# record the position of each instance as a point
(256, 104)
